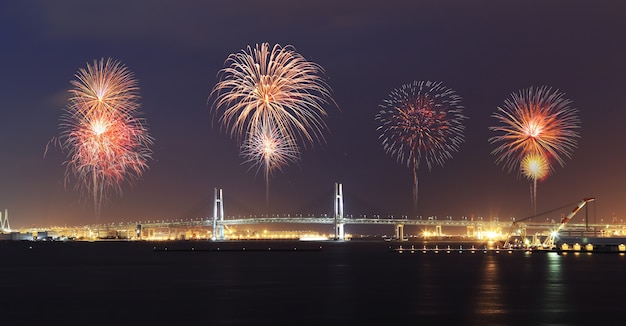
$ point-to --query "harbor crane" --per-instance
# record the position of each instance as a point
(549, 242)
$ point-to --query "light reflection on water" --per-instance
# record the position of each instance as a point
(345, 283)
(489, 295)
(554, 290)
(534, 288)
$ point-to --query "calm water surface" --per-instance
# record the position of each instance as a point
(303, 283)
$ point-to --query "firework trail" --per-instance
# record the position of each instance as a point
(106, 140)
(267, 149)
(535, 121)
(535, 167)
(421, 122)
(266, 95)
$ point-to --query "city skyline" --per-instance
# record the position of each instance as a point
(484, 51)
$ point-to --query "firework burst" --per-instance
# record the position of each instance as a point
(272, 101)
(539, 122)
(535, 167)
(277, 86)
(535, 120)
(106, 141)
(267, 149)
(421, 122)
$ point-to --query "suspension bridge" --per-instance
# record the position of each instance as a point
(215, 226)
(339, 221)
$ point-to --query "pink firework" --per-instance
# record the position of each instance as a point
(107, 143)
(267, 149)
(421, 122)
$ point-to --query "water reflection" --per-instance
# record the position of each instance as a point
(554, 291)
(488, 303)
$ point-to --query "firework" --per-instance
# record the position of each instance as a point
(277, 86)
(106, 141)
(538, 122)
(274, 98)
(421, 122)
(267, 149)
(535, 167)
(535, 121)
(105, 86)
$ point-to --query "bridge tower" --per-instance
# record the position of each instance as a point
(4, 221)
(339, 232)
(218, 207)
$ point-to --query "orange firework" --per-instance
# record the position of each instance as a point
(535, 167)
(106, 141)
(272, 100)
(276, 86)
(538, 127)
(535, 121)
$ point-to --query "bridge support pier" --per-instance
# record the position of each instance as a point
(470, 231)
(339, 232)
(438, 230)
(400, 232)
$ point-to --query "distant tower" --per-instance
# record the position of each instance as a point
(4, 221)
(218, 207)
(339, 232)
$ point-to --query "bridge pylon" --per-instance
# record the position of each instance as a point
(339, 230)
(218, 208)
(4, 221)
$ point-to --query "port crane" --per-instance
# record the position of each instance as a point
(549, 242)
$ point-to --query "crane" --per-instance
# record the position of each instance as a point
(549, 242)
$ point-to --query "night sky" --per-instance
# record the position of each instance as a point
(483, 50)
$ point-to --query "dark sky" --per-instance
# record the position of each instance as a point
(484, 50)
